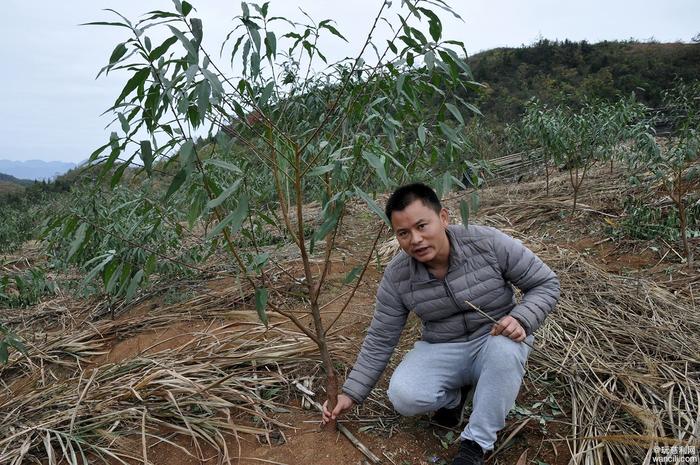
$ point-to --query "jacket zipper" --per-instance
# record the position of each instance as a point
(454, 300)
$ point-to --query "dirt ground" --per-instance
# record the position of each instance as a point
(539, 425)
(396, 440)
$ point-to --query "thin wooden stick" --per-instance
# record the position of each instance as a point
(492, 319)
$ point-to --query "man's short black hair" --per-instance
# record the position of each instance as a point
(406, 195)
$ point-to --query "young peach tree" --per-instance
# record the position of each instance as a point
(282, 127)
(673, 161)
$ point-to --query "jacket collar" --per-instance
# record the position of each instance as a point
(419, 273)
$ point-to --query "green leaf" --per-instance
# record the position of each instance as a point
(147, 156)
(332, 30)
(234, 219)
(261, 296)
(421, 134)
(136, 80)
(177, 182)
(157, 14)
(119, 172)
(108, 272)
(260, 260)
(134, 284)
(105, 23)
(97, 269)
(196, 208)
(266, 94)
(17, 344)
(399, 83)
(328, 225)
(4, 354)
(197, 30)
(448, 132)
(186, 153)
(254, 64)
(113, 279)
(97, 152)
(320, 170)
(203, 101)
(469, 106)
(446, 184)
(124, 123)
(373, 205)
(191, 50)
(255, 35)
(186, 8)
(434, 24)
(378, 164)
(270, 44)
(455, 112)
(352, 275)
(464, 211)
(430, 59)
(78, 240)
(474, 109)
(117, 54)
(161, 49)
(214, 81)
(224, 195)
(224, 164)
(151, 264)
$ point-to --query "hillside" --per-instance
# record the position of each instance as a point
(34, 169)
(570, 71)
(11, 185)
(9, 178)
(593, 354)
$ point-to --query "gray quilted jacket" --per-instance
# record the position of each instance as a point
(484, 262)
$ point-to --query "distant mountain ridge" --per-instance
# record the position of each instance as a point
(9, 178)
(35, 169)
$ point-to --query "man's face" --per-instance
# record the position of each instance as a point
(421, 233)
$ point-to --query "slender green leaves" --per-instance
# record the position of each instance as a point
(373, 205)
(233, 221)
(261, 296)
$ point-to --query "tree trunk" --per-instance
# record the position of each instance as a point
(684, 233)
(331, 377)
(574, 185)
(546, 176)
(683, 218)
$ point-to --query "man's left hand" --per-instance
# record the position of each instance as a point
(509, 327)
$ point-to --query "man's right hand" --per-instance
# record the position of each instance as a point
(344, 404)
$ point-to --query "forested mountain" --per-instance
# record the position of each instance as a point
(569, 71)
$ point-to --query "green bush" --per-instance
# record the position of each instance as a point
(116, 238)
(25, 288)
(21, 212)
(648, 222)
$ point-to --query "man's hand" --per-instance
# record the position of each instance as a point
(510, 327)
(344, 404)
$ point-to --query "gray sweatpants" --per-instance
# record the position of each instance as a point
(431, 375)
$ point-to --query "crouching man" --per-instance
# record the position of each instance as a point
(441, 271)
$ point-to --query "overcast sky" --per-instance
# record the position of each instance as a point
(50, 103)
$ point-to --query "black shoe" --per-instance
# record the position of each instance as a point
(452, 417)
(470, 453)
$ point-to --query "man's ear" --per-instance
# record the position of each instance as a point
(444, 217)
